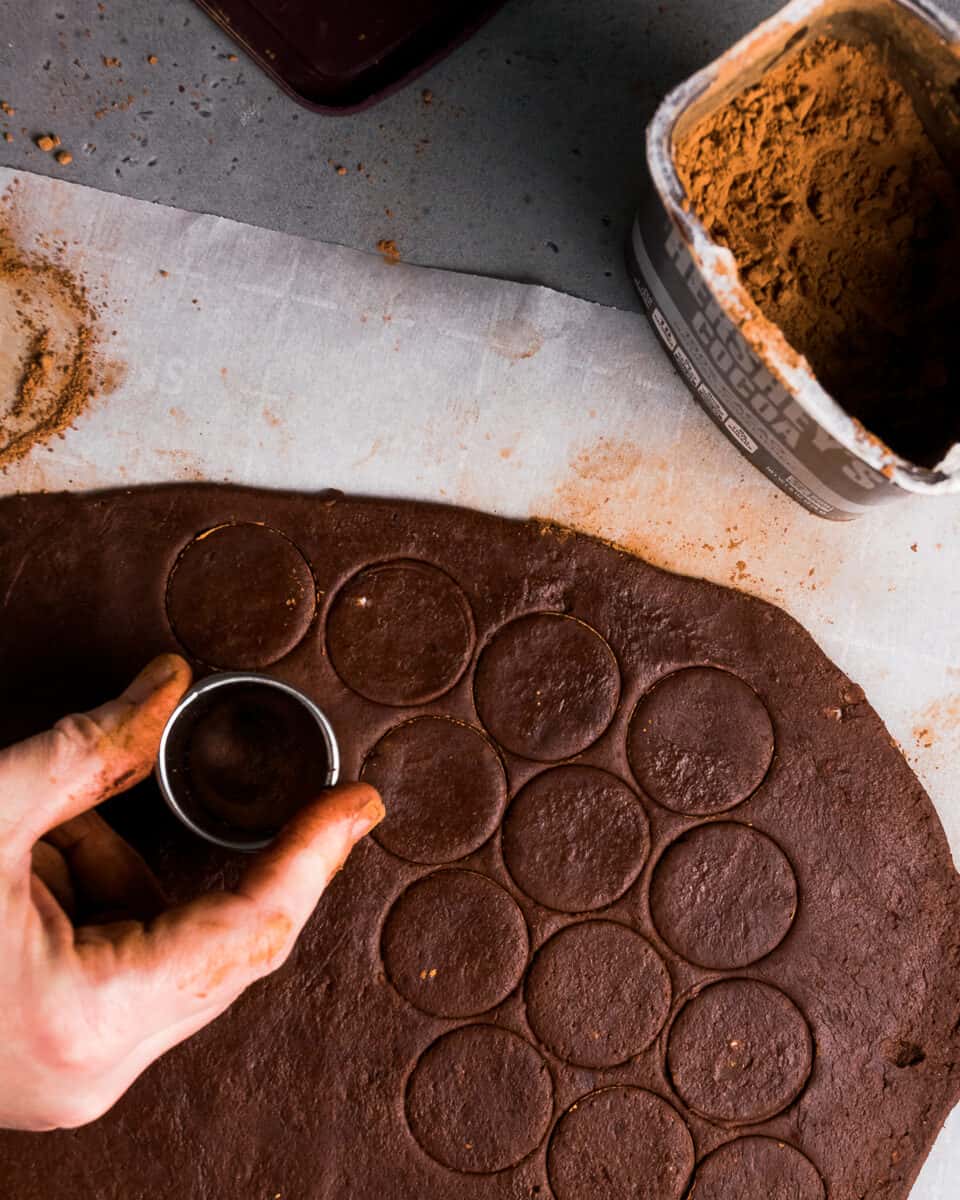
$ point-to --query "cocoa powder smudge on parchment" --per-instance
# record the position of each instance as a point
(59, 371)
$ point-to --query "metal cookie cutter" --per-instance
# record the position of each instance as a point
(169, 774)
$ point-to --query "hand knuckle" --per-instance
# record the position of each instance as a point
(275, 938)
(75, 736)
(63, 1047)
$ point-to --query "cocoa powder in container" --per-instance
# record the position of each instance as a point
(844, 221)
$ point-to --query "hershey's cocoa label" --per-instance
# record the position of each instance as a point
(738, 391)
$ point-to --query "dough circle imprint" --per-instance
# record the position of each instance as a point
(480, 1099)
(597, 994)
(757, 1168)
(443, 786)
(617, 1143)
(240, 596)
(575, 838)
(547, 686)
(723, 895)
(739, 1051)
(700, 741)
(455, 944)
(400, 633)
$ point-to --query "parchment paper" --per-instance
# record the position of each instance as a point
(271, 360)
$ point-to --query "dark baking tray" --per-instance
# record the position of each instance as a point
(338, 56)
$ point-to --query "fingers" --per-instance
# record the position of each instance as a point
(292, 873)
(109, 876)
(50, 778)
(48, 865)
(202, 955)
(55, 920)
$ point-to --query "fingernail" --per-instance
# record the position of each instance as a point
(154, 676)
(368, 817)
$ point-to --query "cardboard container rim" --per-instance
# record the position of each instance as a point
(719, 268)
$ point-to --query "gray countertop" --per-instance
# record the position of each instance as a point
(524, 165)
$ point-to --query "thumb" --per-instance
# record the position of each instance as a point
(192, 961)
(292, 873)
(88, 757)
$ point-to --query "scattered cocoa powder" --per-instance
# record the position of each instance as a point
(59, 370)
(845, 224)
(37, 375)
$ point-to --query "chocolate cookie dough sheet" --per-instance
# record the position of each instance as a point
(655, 898)
(241, 355)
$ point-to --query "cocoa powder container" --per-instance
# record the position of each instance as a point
(756, 386)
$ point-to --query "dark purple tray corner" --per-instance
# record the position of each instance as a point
(340, 56)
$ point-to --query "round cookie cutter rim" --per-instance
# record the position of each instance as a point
(229, 679)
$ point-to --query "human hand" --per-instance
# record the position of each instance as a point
(99, 977)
